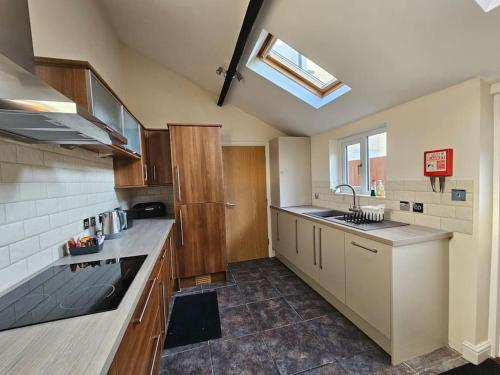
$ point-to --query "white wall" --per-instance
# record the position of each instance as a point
(78, 30)
(45, 193)
(459, 117)
(159, 96)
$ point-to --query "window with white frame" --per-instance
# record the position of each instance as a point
(363, 160)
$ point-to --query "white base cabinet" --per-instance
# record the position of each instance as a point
(368, 281)
(397, 295)
(332, 273)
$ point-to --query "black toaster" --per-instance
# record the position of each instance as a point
(149, 210)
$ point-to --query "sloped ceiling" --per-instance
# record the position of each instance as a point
(388, 51)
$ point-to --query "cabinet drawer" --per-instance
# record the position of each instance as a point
(368, 281)
(135, 353)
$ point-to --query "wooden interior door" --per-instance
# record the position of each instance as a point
(202, 247)
(246, 202)
(160, 166)
(196, 164)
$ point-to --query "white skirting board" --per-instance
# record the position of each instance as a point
(476, 353)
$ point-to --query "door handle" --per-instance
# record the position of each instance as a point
(320, 249)
(145, 166)
(171, 260)
(314, 244)
(154, 172)
(152, 364)
(182, 229)
(146, 303)
(229, 204)
(179, 196)
(296, 237)
(375, 251)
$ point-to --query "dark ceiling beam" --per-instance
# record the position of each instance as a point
(246, 28)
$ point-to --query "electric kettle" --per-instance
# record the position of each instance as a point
(113, 223)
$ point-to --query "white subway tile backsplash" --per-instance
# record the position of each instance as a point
(19, 211)
(4, 257)
(40, 260)
(36, 225)
(32, 191)
(29, 155)
(427, 221)
(7, 152)
(24, 248)
(45, 193)
(10, 233)
(9, 193)
(464, 213)
(456, 225)
(16, 172)
(13, 273)
(439, 210)
(428, 197)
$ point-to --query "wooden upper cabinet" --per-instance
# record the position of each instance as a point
(196, 164)
(132, 172)
(158, 157)
(202, 239)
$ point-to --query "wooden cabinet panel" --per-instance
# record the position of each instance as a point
(308, 248)
(196, 164)
(136, 352)
(132, 172)
(368, 281)
(202, 239)
(332, 261)
(70, 81)
(158, 157)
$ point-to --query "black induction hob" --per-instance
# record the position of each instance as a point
(66, 291)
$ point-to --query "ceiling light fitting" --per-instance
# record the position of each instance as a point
(223, 72)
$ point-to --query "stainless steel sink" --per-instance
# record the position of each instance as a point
(337, 217)
(326, 214)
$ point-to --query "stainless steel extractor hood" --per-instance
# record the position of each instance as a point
(30, 109)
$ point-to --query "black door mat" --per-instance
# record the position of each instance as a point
(488, 367)
(195, 318)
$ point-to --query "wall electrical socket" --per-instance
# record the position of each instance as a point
(92, 221)
(404, 205)
(458, 195)
(418, 207)
(86, 223)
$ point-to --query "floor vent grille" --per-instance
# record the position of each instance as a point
(203, 279)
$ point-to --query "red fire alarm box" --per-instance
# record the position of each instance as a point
(438, 162)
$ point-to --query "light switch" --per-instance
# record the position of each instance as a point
(458, 195)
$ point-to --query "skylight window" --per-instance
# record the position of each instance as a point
(289, 69)
(298, 67)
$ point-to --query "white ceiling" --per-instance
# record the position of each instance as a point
(388, 51)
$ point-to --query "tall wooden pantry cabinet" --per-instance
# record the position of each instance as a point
(199, 201)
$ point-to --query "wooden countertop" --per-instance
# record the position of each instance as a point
(397, 236)
(85, 345)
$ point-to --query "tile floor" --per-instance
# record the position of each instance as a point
(273, 323)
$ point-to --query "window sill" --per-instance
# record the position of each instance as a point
(361, 195)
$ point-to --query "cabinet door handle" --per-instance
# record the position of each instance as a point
(278, 225)
(296, 237)
(171, 260)
(320, 249)
(182, 229)
(152, 364)
(154, 172)
(314, 244)
(144, 307)
(179, 196)
(164, 308)
(145, 166)
(364, 247)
